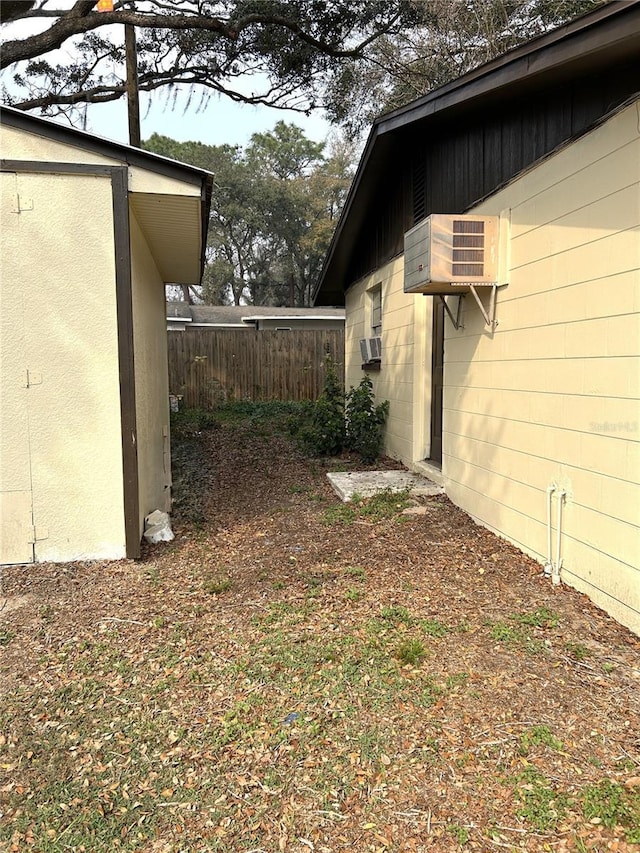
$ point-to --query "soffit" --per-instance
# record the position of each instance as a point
(172, 226)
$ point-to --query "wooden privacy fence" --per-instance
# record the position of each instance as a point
(208, 366)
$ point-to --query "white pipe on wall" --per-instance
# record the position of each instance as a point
(555, 575)
(548, 566)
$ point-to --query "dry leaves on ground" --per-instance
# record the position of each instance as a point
(292, 674)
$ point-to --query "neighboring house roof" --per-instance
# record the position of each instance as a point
(610, 34)
(243, 315)
(144, 204)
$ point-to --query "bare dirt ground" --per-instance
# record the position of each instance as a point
(293, 674)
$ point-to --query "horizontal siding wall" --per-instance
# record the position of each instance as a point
(404, 344)
(552, 397)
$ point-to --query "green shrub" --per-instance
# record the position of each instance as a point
(365, 421)
(325, 435)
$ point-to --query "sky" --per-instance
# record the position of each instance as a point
(222, 121)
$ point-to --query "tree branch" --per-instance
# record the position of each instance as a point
(80, 20)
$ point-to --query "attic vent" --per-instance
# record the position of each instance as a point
(468, 248)
(419, 190)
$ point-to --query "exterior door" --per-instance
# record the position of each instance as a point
(437, 371)
(16, 506)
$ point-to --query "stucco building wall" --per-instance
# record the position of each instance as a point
(552, 396)
(64, 306)
(152, 381)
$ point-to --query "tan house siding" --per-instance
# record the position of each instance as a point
(552, 396)
(406, 356)
(69, 342)
(152, 382)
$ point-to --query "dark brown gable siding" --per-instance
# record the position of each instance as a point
(445, 166)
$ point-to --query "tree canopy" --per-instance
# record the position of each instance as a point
(286, 46)
(274, 207)
(353, 58)
(447, 40)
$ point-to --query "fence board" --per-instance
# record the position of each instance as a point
(207, 366)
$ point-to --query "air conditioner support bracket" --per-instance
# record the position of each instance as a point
(455, 320)
(489, 316)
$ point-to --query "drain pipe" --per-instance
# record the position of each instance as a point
(548, 566)
(555, 574)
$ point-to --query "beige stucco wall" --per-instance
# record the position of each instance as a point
(552, 396)
(152, 381)
(406, 357)
(16, 144)
(57, 278)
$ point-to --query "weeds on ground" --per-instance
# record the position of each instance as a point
(614, 805)
(189, 422)
(216, 586)
(541, 805)
(516, 634)
(6, 636)
(381, 507)
(538, 736)
(411, 652)
(356, 572)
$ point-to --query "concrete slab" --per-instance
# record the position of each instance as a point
(346, 484)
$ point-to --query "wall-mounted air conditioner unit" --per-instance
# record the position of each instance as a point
(446, 253)
(371, 350)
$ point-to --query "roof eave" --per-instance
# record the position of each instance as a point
(578, 40)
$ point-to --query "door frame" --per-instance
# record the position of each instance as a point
(437, 382)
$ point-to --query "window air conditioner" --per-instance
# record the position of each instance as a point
(446, 253)
(371, 349)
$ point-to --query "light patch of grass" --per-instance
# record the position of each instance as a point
(341, 513)
(459, 833)
(216, 586)
(396, 613)
(577, 651)
(613, 805)
(541, 805)
(353, 594)
(542, 617)
(433, 627)
(538, 736)
(6, 636)
(411, 652)
(385, 505)
(516, 636)
(356, 572)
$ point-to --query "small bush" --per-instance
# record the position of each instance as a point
(365, 421)
(325, 434)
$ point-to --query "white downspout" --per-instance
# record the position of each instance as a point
(548, 566)
(555, 575)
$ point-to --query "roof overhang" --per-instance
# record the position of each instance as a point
(172, 226)
(174, 220)
(589, 42)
